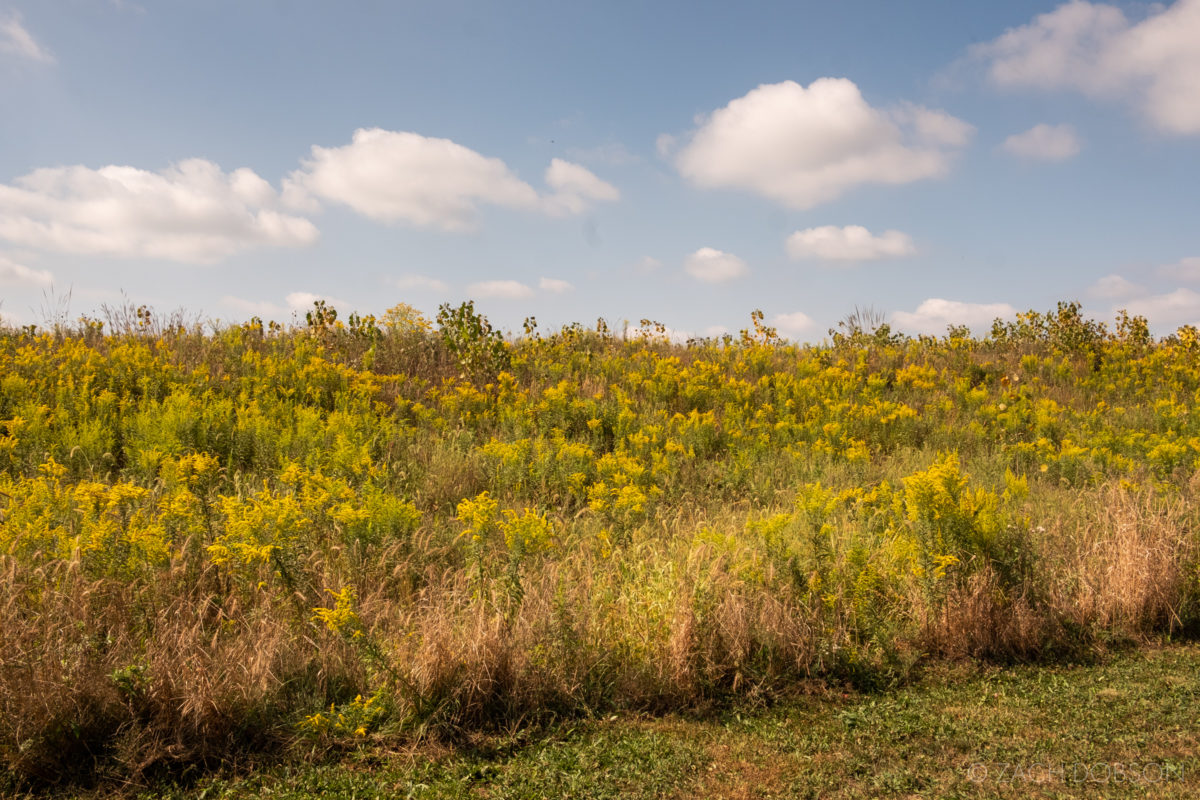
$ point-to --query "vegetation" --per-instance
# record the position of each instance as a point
(1122, 729)
(311, 539)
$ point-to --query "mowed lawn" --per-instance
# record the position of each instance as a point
(1123, 727)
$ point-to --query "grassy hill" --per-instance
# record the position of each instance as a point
(295, 540)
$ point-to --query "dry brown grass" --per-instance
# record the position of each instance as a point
(984, 619)
(126, 680)
(56, 703)
(1125, 565)
(1113, 565)
(136, 678)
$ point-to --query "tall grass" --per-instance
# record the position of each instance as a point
(269, 539)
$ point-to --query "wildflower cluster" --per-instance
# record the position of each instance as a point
(355, 720)
(626, 515)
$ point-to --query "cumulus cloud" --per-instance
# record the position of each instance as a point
(15, 40)
(932, 127)
(714, 266)
(418, 283)
(851, 243)
(575, 188)
(294, 303)
(1064, 48)
(510, 290)
(934, 315)
(793, 325)
(805, 146)
(390, 176)
(554, 285)
(1185, 269)
(400, 176)
(14, 274)
(1172, 309)
(1094, 49)
(191, 211)
(1044, 142)
(1115, 287)
(301, 301)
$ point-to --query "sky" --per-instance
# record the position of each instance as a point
(940, 163)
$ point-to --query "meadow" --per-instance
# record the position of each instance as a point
(259, 541)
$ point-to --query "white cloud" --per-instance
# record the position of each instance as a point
(793, 325)
(851, 243)
(1180, 307)
(806, 146)
(511, 290)
(665, 144)
(399, 176)
(1185, 269)
(14, 274)
(191, 211)
(1061, 49)
(932, 127)
(575, 188)
(294, 303)
(1044, 142)
(15, 40)
(1094, 49)
(714, 266)
(391, 176)
(302, 301)
(418, 283)
(554, 285)
(1114, 287)
(934, 315)
(648, 264)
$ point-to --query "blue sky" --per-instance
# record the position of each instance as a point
(941, 162)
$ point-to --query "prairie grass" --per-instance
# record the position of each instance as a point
(267, 541)
(1120, 728)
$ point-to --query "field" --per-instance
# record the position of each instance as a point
(1124, 729)
(266, 543)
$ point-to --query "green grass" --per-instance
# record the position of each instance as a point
(1127, 727)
